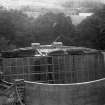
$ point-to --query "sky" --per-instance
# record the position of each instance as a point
(41, 3)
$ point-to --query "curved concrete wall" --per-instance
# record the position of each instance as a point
(88, 93)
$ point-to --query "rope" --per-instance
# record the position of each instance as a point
(18, 96)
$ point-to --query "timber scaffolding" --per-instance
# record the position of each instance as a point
(55, 64)
(56, 74)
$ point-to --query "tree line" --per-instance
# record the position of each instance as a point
(19, 30)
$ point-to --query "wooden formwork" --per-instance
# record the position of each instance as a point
(65, 68)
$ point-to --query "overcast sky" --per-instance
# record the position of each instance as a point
(42, 3)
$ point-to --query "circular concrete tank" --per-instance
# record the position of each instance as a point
(61, 66)
(80, 81)
(69, 77)
(65, 67)
(87, 93)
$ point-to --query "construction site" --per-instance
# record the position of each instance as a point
(52, 75)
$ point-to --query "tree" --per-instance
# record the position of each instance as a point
(15, 28)
(49, 26)
(91, 30)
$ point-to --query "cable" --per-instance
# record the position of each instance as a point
(58, 37)
(67, 38)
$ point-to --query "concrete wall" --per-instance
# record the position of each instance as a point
(89, 93)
